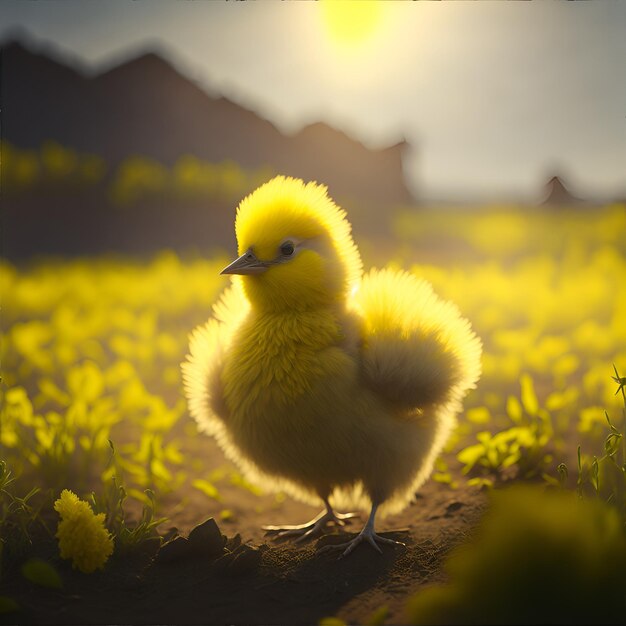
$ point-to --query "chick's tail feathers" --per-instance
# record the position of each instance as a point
(417, 349)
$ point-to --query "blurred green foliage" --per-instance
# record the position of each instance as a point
(537, 558)
(143, 179)
(136, 179)
(524, 444)
(17, 516)
(53, 165)
(604, 475)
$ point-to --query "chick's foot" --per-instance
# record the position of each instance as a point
(311, 529)
(368, 534)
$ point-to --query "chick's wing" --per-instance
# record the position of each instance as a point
(417, 350)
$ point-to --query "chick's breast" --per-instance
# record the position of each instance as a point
(291, 390)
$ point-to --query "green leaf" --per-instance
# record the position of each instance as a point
(529, 398)
(595, 474)
(442, 477)
(485, 437)
(207, 488)
(621, 381)
(492, 458)
(510, 459)
(479, 415)
(514, 409)
(480, 482)
(41, 573)
(613, 429)
(470, 456)
(551, 480)
(226, 514)
(612, 443)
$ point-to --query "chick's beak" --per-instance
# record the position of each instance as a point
(247, 263)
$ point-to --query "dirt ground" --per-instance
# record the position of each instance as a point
(261, 581)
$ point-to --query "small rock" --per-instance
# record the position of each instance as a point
(206, 539)
(246, 558)
(174, 550)
(233, 543)
(452, 508)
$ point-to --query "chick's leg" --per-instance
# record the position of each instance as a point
(367, 534)
(301, 532)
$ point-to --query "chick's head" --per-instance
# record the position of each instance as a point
(295, 247)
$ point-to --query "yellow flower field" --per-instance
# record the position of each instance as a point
(91, 351)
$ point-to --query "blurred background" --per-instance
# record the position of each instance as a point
(132, 127)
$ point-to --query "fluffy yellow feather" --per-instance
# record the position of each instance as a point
(321, 382)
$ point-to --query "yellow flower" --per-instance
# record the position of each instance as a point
(81, 534)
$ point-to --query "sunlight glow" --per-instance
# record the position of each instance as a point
(350, 23)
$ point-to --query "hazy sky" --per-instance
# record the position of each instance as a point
(492, 96)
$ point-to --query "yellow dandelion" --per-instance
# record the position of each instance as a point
(81, 533)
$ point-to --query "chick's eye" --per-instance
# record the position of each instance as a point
(287, 248)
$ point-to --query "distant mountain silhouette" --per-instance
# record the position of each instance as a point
(557, 194)
(144, 106)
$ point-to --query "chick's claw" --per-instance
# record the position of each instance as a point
(315, 527)
(368, 535)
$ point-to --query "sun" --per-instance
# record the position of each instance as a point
(350, 22)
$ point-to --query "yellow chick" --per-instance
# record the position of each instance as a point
(319, 381)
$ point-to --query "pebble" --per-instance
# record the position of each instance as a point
(245, 559)
(174, 550)
(206, 539)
